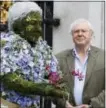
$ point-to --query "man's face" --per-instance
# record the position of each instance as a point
(29, 27)
(82, 34)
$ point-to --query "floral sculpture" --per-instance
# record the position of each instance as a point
(28, 67)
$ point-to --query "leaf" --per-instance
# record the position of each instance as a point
(3, 43)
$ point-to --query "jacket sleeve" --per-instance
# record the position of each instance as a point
(59, 102)
(99, 101)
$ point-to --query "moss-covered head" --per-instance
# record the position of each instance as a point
(29, 27)
(25, 19)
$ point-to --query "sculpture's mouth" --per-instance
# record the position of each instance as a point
(32, 36)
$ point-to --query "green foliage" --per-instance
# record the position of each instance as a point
(2, 43)
(15, 82)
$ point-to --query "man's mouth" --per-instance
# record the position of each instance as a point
(80, 39)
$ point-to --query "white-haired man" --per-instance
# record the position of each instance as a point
(84, 70)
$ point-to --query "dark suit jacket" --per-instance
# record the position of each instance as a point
(94, 86)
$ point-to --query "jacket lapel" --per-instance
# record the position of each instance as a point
(90, 65)
(70, 64)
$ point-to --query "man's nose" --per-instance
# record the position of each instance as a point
(80, 33)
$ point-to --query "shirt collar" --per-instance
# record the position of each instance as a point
(74, 51)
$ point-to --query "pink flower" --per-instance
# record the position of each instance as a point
(81, 76)
(78, 74)
(48, 67)
(54, 77)
(75, 73)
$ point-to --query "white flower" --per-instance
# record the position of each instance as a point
(6, 70)
(24, 46)
(31, 64)
(48, 62)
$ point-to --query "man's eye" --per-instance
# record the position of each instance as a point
(84, 31)
(77, 31)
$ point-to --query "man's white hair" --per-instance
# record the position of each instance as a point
(79, 21)
(20, 10)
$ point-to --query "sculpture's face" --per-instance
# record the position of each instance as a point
(29, 27)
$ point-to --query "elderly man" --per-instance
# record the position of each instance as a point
(84, 70)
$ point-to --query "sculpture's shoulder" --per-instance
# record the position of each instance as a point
(8, 38)
(11, 51)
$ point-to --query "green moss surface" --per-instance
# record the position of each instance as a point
(17, 83)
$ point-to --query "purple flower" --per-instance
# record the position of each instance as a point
(7, 49)
(28, 101)
(36, 69)
(23, 62)
(36, 77)
(26, 70)
(53, 65)
(20, 101)
(23, 101)
(4, 35)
